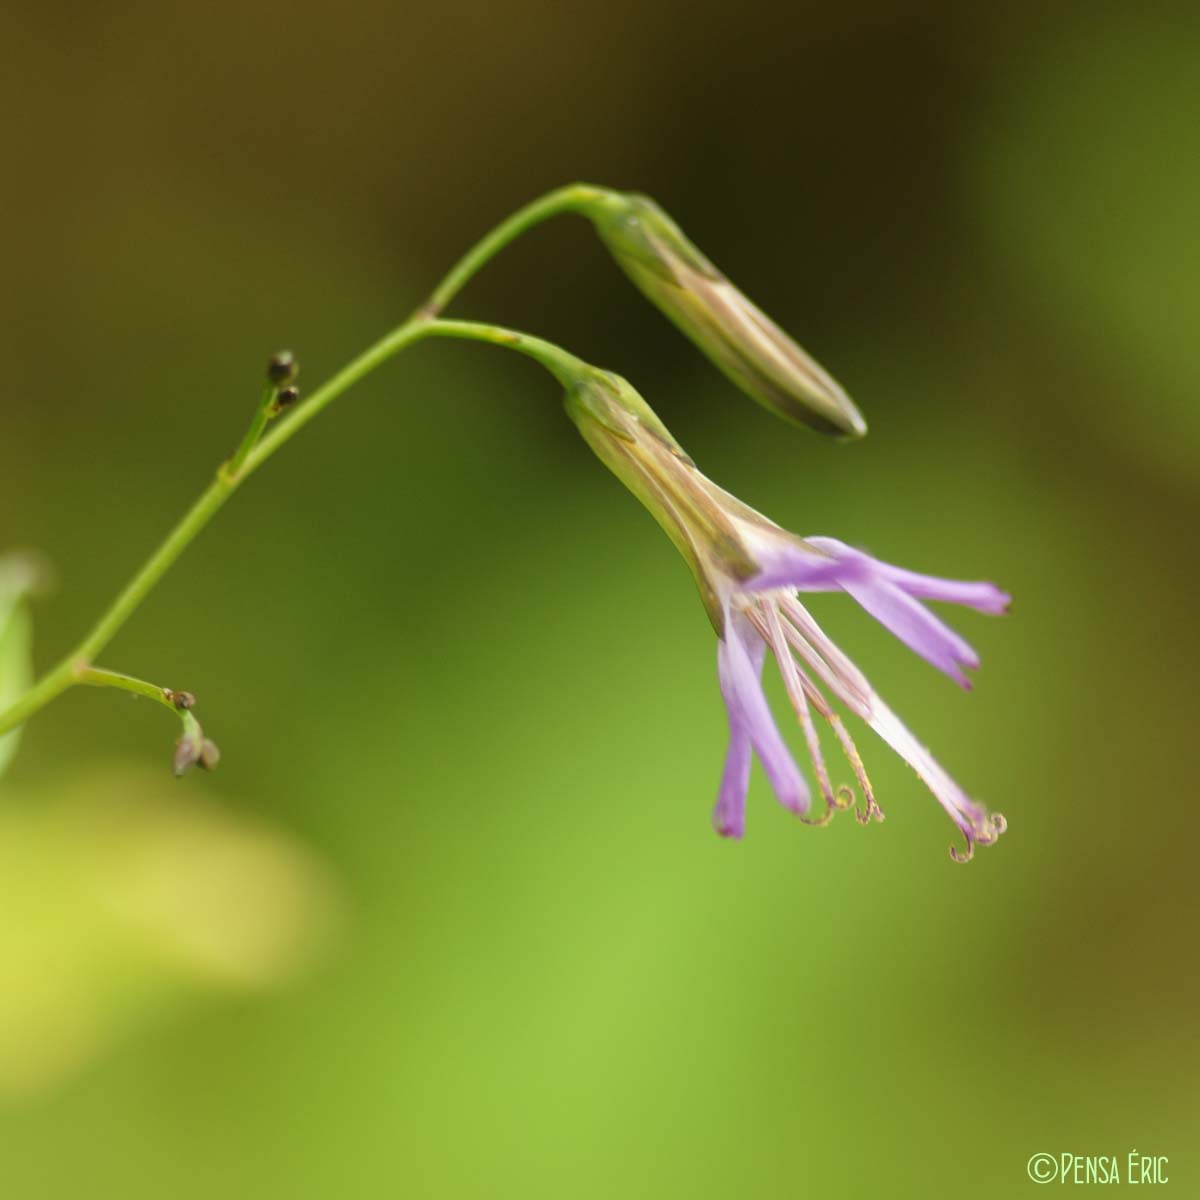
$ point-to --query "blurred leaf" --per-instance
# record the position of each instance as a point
(125, 896)
(16, 653)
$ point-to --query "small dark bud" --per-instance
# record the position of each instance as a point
(281, 368)
(284, 399)
(182, 700)
(210, 755)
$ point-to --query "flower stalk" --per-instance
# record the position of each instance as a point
(231, 475)
(749, 571)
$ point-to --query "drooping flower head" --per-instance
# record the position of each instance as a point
(751, 574)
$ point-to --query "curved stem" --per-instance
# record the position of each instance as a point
(192, 748)
(576, 197)
(126, 604)
(98, 677)
(255, 448)
(318, 401)
(564, 366)
(76, 666)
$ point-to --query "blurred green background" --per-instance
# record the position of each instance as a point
(450, 920)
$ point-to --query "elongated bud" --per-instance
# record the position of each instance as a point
(733, 332)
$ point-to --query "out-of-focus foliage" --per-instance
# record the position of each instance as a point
(16, 644)
(447, 657)
(1092, 193)
(127, 898)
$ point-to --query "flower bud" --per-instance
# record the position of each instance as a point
(193, 748)
(282, 368)
(210, 755)
(285, 398)
(187, 752)
(734, 333)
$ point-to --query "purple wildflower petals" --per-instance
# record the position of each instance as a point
(977, 594)
(890, 594)
(786, 564)
(740, 655)
(917, 628)
(729, 816)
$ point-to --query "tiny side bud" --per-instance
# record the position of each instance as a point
(182, 700)
(284, 399)
(282, 368)
(210, 755)
(187, 753)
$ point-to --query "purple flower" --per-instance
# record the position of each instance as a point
(751, 574)
(766, 613)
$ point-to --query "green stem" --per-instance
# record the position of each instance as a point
(77, 665)
(228, 479)
(262, 415)
(52, 684)
(255, 448)
(565, 367)
(98, 677)
(139, 587)
(576, 197)
(318, 401)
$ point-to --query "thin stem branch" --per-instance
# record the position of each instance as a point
(126, 604)
(574, 198)
(262, 414)
(564, 366)
(318, 401)
(256, 447)
(98, 677)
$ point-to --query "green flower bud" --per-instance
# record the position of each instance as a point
(734, 333)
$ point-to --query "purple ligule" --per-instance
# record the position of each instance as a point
(977, 594)
(890, 594)
(767, 613)
(729, 816)
(740, 655)
(789, 563)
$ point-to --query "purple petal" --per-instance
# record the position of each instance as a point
(917, 628)
(729, 815)
(793, 565)
(739, 668)
(982, 596)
